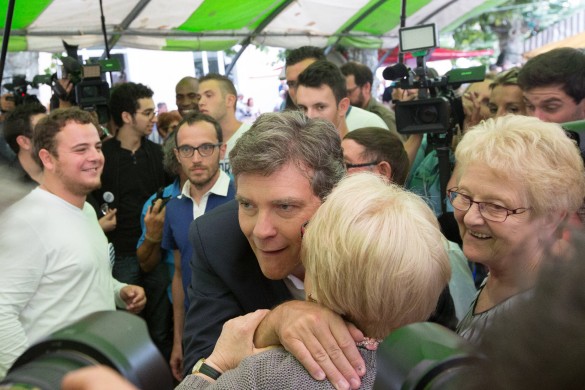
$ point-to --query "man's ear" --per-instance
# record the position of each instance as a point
(343, 106)
(230, 100)
(47, 159)
(127, 117)
(24, 142)
(222, 149)
(384, 169)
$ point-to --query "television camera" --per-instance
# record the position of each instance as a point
(116, 339)
(88, 88)
(19, 88)
(438, 110)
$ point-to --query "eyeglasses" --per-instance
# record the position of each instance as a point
(148, 113)
(490, 211)
(204, 150)
(368, 164)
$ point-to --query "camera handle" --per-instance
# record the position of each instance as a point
(444, 174)
(441, 142)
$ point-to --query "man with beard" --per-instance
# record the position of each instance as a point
(200, 147)
(54, 258)
(360, 80)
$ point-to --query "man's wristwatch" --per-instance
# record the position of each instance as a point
(202, 368)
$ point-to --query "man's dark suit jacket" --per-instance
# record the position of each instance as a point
(226, 281)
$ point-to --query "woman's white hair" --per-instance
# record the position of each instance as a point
(536, 154)
(374, 253)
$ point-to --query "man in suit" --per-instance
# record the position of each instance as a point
(284, 166)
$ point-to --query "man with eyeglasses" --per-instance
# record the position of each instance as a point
(199, 151)
(133, 171)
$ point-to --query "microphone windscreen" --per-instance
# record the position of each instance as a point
(108, 197)
(394, 72)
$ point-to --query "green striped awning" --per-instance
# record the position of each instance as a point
(40, 25)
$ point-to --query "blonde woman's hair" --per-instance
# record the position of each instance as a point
(374, 253)
(538, 155)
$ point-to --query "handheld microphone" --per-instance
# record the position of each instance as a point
(108, 198)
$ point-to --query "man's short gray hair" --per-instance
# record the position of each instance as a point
(277, 139)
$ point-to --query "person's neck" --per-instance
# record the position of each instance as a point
(197, 191)
(129, 138)
(229, 125)
(342, 128)
(501, 286)
(56, 188)
(29, 165)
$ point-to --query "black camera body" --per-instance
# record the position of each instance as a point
(92, 93)
(19, 90)
(438, 109)
(116, 339)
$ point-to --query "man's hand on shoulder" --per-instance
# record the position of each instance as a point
(319, 338)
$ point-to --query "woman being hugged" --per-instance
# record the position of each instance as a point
(374, 254)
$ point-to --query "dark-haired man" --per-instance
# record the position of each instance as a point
(554, 85)
(360, 80)
(18, 131)
(54, 259)
(298, 60)
(322, 93)
(133, 171)
(187, 98)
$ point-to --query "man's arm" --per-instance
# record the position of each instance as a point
(212, 303)
(149, 245)
(176, 362)
(318, 338)
(22, 266)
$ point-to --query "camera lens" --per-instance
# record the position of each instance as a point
(427, 114)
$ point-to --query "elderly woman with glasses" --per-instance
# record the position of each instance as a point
(519, 180)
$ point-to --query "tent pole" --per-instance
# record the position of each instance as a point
(6, 37)
(402, 24)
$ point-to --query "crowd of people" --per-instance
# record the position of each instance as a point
(279, 251)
